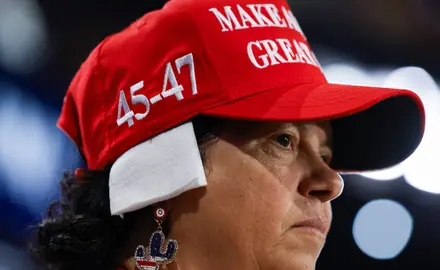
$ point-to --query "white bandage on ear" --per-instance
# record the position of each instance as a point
(156, 170)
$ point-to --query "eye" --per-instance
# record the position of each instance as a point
(326, 159)
(284, 140)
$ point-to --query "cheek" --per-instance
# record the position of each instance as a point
(328, 212)
(247, 194)
(282, 167)
(250, 199)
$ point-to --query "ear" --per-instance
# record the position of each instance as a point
(168, 205)
(187, 202)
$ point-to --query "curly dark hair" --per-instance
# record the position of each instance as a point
(79, 232)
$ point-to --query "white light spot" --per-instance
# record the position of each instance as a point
(31, 148)
(387, 174)
(382, 229)
(23, 36)
(348, 74)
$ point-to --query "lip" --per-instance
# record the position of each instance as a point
(315, 224)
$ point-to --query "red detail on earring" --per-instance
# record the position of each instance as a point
(160, 213)
(146, 263)
(79, 172)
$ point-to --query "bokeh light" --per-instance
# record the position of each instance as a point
(31, 151)
(23, 36)
(382, 229)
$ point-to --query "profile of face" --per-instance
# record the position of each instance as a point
(267, 202)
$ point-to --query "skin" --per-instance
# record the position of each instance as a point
(264, 180)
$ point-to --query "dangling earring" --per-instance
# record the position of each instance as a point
(156, 253)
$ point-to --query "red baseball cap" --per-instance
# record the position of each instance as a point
(240, 59)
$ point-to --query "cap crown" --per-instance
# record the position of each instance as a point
(173, 64)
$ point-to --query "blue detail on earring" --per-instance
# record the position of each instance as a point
(156, 243)
(171, 249)
(156, 254)
(140, 252)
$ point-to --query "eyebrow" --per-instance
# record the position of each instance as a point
(328, 138)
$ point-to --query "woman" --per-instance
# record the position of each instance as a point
(210, 123)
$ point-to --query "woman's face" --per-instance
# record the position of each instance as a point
(267, 203)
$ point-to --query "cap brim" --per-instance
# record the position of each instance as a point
(373, 128)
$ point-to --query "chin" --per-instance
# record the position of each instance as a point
(292, 261)
(302, 244)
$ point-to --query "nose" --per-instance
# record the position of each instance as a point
(320, 181)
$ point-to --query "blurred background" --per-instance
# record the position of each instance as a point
(384, 220)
